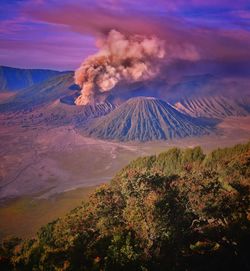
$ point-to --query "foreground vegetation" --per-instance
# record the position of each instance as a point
(180, 210)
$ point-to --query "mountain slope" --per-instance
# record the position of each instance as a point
(210, 96)
(50, 103)
(13, 79)
(213, 107)
(144, 119)
(39, 94)
(202, 95)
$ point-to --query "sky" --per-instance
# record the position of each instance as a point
(60, 34)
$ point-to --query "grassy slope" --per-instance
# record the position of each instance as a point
(180, 210)
(24, 216)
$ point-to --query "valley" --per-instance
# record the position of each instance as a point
(61, 158)
(45, 172)
(53, 153)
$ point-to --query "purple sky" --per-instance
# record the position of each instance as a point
(59, 34)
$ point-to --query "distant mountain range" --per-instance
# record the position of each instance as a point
(48, 96)
(14, 79)
(144, 119)
(43, 93)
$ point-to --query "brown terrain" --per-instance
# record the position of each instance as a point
(46, 171)
(54, 160)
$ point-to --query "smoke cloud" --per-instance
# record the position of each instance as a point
(121, 58)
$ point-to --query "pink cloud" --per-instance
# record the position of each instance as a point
(187, 39)
(55, 30)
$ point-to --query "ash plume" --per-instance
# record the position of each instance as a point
(120, 58)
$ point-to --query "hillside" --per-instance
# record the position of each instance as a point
(14, 79)
(210, 96)
(211, 107)
(40, 94)
(49, 103)
(180, 210)
(144, 119)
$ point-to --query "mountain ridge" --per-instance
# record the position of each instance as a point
(45, 92)
(16, 79)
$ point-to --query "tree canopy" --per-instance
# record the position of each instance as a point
(180, 210)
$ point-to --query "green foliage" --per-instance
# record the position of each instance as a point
(180, 210)
(172, 162)
(124, 253)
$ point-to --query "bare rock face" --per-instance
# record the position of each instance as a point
(145, 119)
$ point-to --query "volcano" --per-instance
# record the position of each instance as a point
(146, 119)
